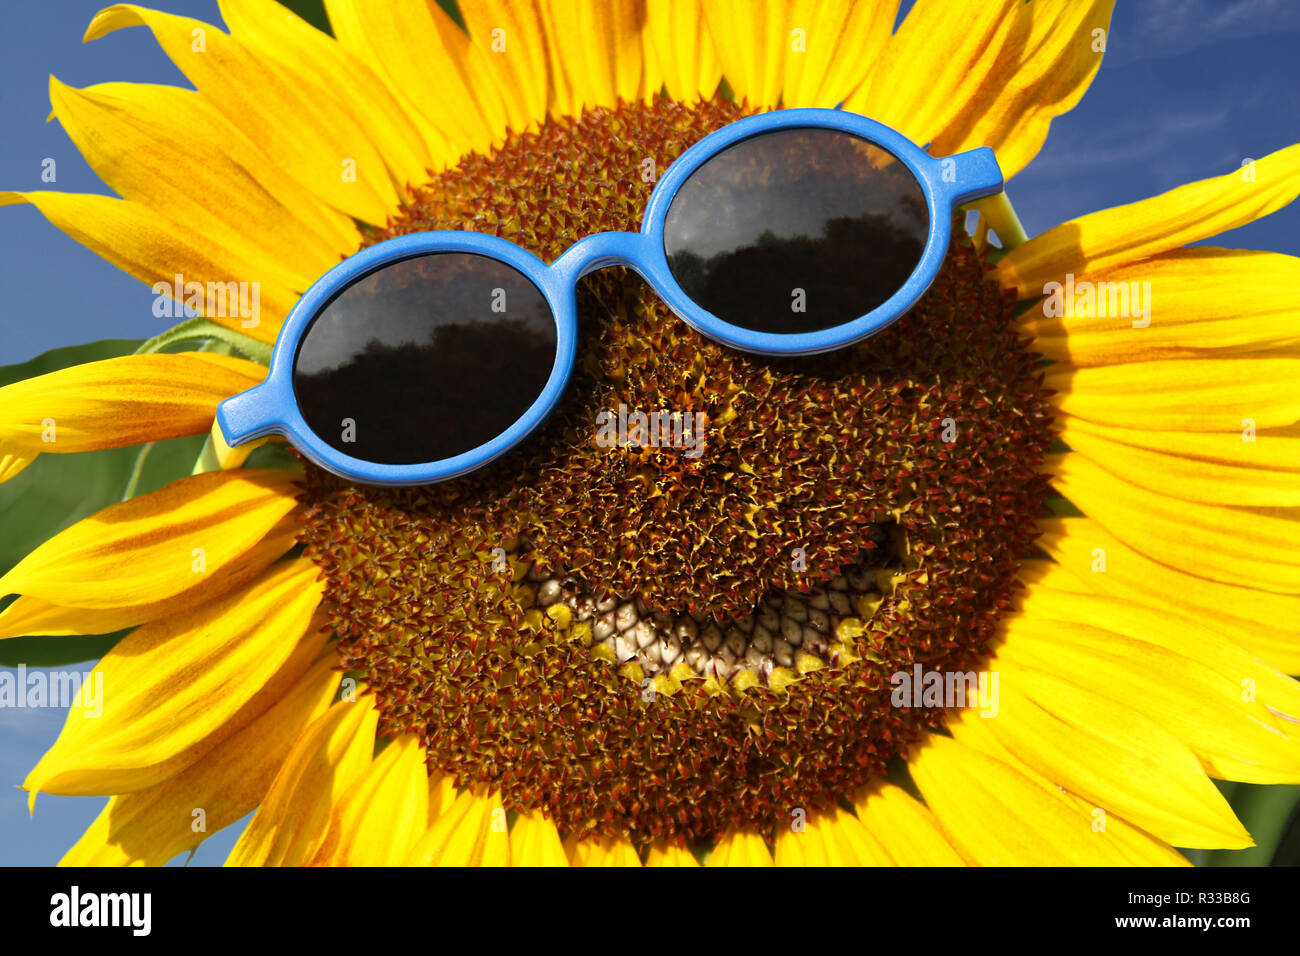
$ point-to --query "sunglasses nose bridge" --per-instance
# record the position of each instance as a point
(600, 251)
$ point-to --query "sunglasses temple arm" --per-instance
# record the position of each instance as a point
(245, 416)
(979, 185)
(976, 175)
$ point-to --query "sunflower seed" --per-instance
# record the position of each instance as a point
(686, 631)
(783, 653)
(712, 637)
(669, 649)
(791, 631)
(644, 633)
(548, 592)
(625, 617)
(795, 608)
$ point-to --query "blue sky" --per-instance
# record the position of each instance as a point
(1188, 89)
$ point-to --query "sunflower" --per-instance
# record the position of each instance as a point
(601, 656)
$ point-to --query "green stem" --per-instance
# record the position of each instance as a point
(136, 471)
(205, 329)
(207, 460)
(1001, 215)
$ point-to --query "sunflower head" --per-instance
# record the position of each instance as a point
(608, 652)
(647, 644)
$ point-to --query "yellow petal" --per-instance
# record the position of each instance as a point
(1138, 847)
(741, 848)
(1111, 754)
(534, 841)
(1220, 543)
(680, 49)
(1103, 564)
(314, 59)
(1235, 738)
(842, 43)
(1176, 632)
(458, 101)
(323, 764)
(383, 813)
(472, 832)
(514, 45)
(147, 549)
(191, 182)
(1268, 449)
(1036, 83)
(1243, 483)
(120, 401)
(595, 52)
(442, 794)
(151, 826)
(670, 853)
(29, 615)
(1193, 304)
(330, 230)
(324, 149)
(601, 851)
(1117, 839)
(1212, 395)
(999, 817)
(1124, 234)
(131, 237)
(935, 69)
(905, 828)
(172, 690)
(801, 53)
(831, 837)
(11, 464)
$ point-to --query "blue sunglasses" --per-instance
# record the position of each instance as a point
(425, 357)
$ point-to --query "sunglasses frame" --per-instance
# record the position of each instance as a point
(271, 408)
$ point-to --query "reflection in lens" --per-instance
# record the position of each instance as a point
(796, 230)
(425, 359)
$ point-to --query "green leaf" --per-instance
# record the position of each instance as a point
(313, 11)
(1265, 810)
(1288, 847)
(452, 9)
(273, 454)
(57, 651)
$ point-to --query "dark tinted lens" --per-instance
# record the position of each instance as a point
(425, 358)
(796, 230)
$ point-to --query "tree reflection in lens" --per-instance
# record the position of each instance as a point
(796, 230)
(425, 359)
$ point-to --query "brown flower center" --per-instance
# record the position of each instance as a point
(648, 643)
